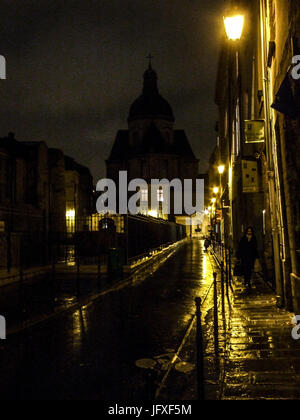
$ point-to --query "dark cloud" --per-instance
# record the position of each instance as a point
(74, 68)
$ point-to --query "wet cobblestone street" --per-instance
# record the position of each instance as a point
(262, 358)
(136, 340)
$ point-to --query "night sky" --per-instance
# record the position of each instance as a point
(75, 66)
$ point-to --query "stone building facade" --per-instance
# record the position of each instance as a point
(34, 186)
(259, 138)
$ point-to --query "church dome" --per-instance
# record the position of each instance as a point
(150, 105)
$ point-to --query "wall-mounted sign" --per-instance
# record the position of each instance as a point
(254, 131)
(250, 176)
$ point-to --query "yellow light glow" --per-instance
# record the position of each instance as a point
(70, 214)
(206, 212)
(230, 176)
(213, 200)
(216, 190)
(221, 169)
(234, 26)
(209, 208)
(153, 213)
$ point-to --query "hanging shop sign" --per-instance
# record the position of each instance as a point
(254, 131)
(250, 176)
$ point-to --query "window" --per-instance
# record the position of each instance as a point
(160, 195)
(144, 196)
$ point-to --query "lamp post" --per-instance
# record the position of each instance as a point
(221, 169)
(234, 24)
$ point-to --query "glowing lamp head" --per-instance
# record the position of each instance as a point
(234, 26)
(216, 190)
(70, 214)
(221, 169)
(213, 200)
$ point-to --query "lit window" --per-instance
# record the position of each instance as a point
(160, 195)
(70, 220)
(144, 195)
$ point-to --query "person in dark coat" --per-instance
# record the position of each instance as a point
(206, 244)
(247, 253)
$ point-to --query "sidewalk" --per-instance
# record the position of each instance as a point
(262, 361)
(13, 276)
(258, 358)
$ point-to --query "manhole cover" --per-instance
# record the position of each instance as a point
(146, 363)
(184, 367)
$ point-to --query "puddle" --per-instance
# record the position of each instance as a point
(146, 363)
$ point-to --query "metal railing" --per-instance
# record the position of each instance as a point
(221, 295)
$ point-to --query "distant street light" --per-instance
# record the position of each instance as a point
(221, 169)
(216, 190)
(234, 26)
(213, 200)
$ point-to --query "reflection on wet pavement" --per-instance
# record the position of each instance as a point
(120, 346)
(90, 353)
(262, 359)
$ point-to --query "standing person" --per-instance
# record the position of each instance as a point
(206, 244)
(247, 253)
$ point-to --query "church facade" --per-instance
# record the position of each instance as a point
(151, 148)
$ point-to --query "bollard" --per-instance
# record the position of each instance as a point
(227, 265)
(222, 252)
(216, 321)
(200, 352)
(78, 276)
(229, 268)
(227, 281)
(222, 288)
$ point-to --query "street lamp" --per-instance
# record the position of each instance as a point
(216, 190)
(221, 169)
(234, 26)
